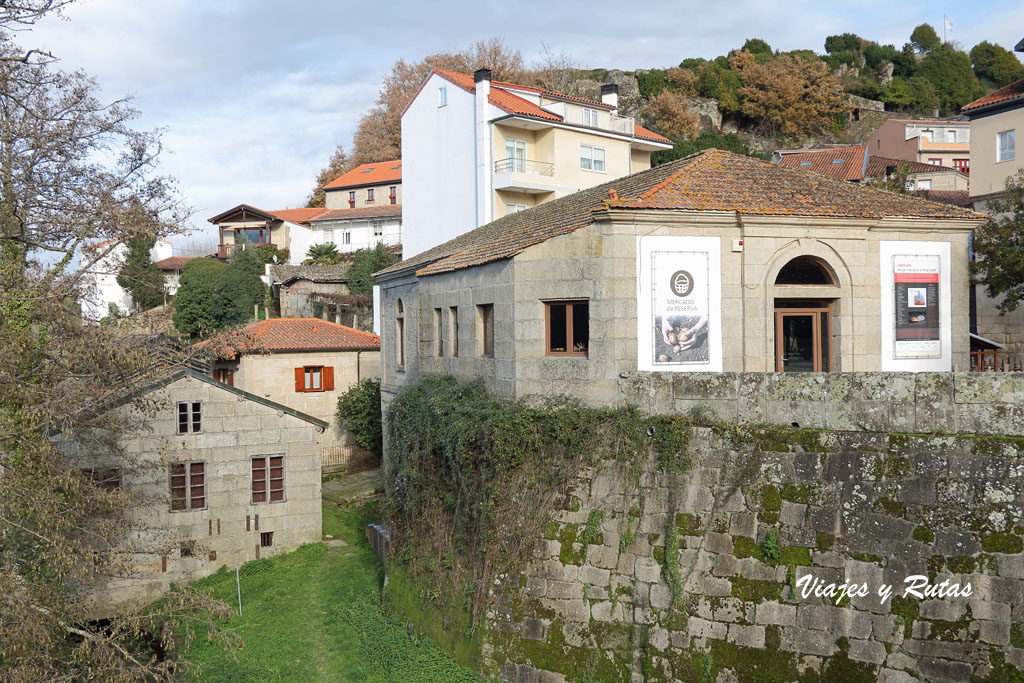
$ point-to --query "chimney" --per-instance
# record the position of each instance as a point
(484, 148)
(610, 95)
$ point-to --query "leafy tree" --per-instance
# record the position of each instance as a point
(843, 42)
(949, 70)
(269, 253)
(905, 63)
(195, 312)
(359, 412)
(337, 165)
(670, 114)
(789, 95)
(365, 263)
(239, 289)
(925, 39)
(999, 247)
(910, 94)
(692, 63)
(72, 172)
(720, 83)
(995, 64)
(139, 277)
(682, 80)
(651, 82)
(875, 54)
(730, 142)
(756, 46)
(322, 255)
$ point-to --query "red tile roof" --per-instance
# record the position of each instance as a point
(841, 163)
(369, 174)
(954, 197)
(292, 334)
(174, 262)
(514, 104)
(387, 210)
(712, 180)
(878, 165)
(298, 215)
(1008, 93)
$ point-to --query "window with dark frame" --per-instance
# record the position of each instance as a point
(188, 486)
(400, 336)
(567, 325)
(453, 335)
(268, 479)
(369, 195)
(106, 478)
(394, 194)
(225, 375)
(190, 417)
(485, 315)
(266, 539)
(438, 333)
(352, 199)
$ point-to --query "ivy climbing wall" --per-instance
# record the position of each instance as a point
(651, 574)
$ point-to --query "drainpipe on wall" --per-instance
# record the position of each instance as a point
(484, 148)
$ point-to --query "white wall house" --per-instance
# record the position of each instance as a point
(100, 288)
(353, 229)
(474, 150)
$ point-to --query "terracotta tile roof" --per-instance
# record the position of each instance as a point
(369, 174)
(298, 215)
(712, 180)
(877, 166)
(841, 163)
(551, 93)
(174, 262)
(292, 334)
(514, 104)
(1008, 93)
(363, 212)
(953, 197)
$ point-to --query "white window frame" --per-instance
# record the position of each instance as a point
(346, 237)
(378, 228)
(1010, 150)
(327, 236)
(590, 117)
(924, 184)
(951, 135)
(442, 96)
(513, 207)
(589, 160)
(515, 155)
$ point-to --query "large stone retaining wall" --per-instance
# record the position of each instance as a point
(868, 489)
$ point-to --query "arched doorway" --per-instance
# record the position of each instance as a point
(803, 325)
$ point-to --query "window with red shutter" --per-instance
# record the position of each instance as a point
(300, 375)
(328, 378)
(314, 378)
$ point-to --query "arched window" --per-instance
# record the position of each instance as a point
(805, 270)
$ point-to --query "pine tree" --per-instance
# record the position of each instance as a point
(139, 277)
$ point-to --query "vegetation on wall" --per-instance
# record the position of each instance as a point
(472, 480)
(365, 263)
(359, 412)
(999, 246)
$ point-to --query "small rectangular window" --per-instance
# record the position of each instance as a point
(187, 548)
(453, 321)
(438, 333)
(592, 158)
(568, 328)
(393, 195)
(188, 486)
(266, 539)
(378, 228)
(485, 322)
(352, 199)
(1005, 150)
(369, 195)
(347, 238)
(400, 337)
(962, 165)
(590, 117)
(511, 207)
(935, 161)
(267, 479)
(190, 417)
(951, 135)
(442, 96)
(924, 184)
(224, 375)
(313, 379)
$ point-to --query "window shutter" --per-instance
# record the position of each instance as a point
(329, 378)
(300, 379)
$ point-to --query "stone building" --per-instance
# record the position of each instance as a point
(218, 477)
(716, 262)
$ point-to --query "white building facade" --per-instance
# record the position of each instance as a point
(100, 290)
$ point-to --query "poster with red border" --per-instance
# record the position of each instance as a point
(916, 282)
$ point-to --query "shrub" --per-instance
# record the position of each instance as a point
(359, 412)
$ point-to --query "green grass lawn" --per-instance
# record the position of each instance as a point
(315, 615)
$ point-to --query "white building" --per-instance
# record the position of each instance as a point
(353, 229)
(100, 288)
(475, 150)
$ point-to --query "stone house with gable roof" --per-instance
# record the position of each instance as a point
(715, 262)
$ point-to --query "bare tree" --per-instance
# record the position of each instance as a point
(72, 172)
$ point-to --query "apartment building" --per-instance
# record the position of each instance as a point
(475, 150)
(369, 185)
(939, 142)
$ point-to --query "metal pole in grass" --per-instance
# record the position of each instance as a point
(238, 585)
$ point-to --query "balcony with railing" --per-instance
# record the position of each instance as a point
(523, 175)
(593, 118)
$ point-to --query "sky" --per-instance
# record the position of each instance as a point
(253, 96)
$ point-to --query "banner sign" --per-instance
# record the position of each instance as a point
(679, 304)
(915, 306)
(916, 309)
